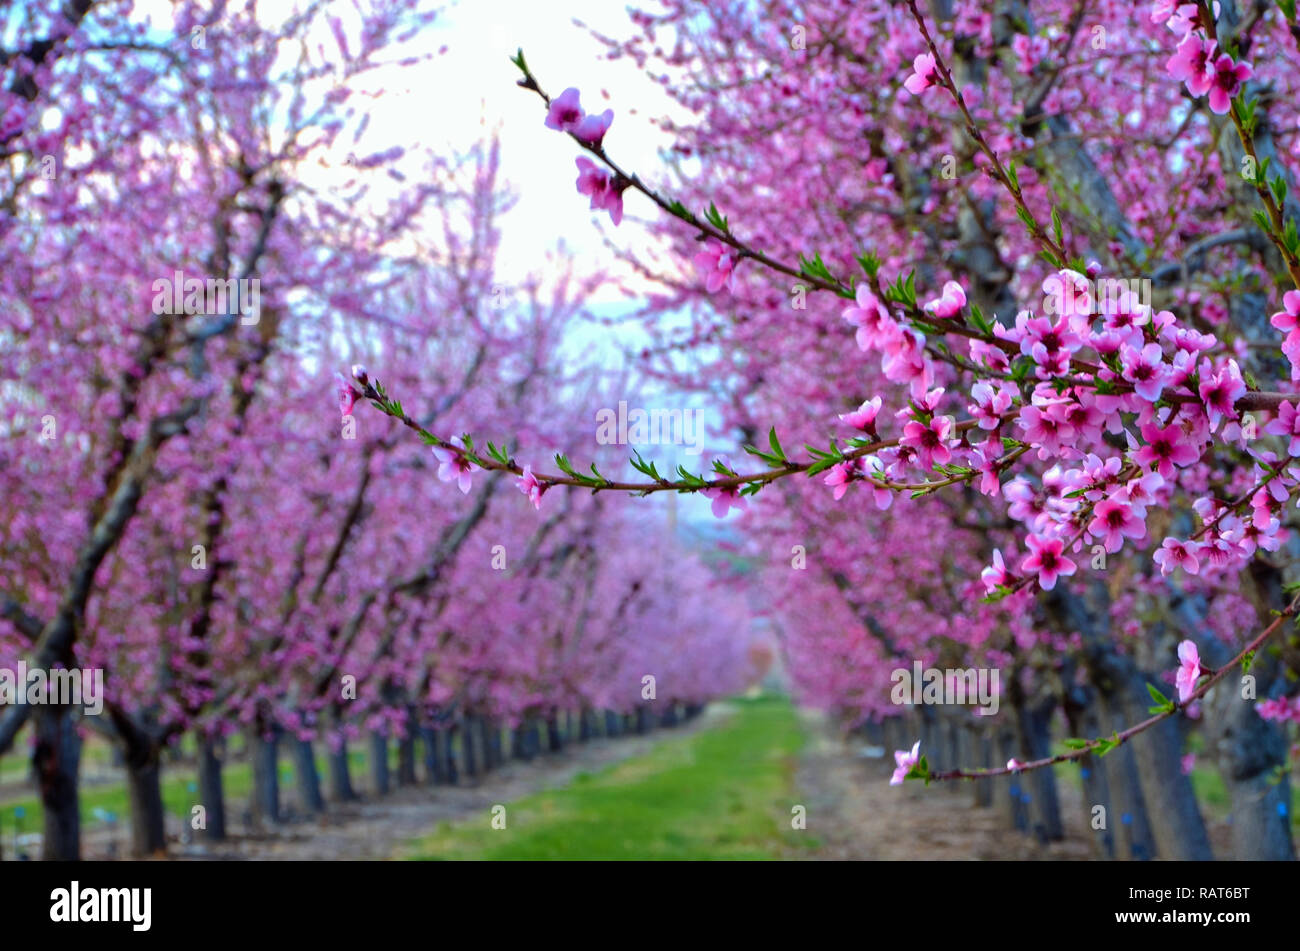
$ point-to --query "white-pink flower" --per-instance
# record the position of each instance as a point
(864, 417)
(718, 262)
(925, 74)
(348, 394)
(592, 129)
(565, 112)
(903, 763)
(948, 304)
(1189, 670)
(1047, 560)
(531, 487)
(725, 497)
(453, 464)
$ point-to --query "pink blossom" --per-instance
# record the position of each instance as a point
(530, 486)
(875, 327)
(1220, 391)
(904, 361)
(1029, 51)
(1288, 321)
(1046, 426)
(599, 184)
(1288, 317)
(1166, 447)
(929, 440)
(1015, 765)
(840, 476)
(1286, 424)
(949, 304)
(1189, 670)
(1176, 554)
(1187, 764)
(924, 74)
(725, 497)
(565, 112)
(1228, 77)
(996, 575)
(1047, 560)
(987, 465)
(1114, 520)
(990, 403)
(1145, 369)
(1192, 64)
(989, 355)
(718, 262)
(453, 464)
(864, 417)
(903, 763)
(592, 129)
(873, 469)
(348, 394)
(1141, 492)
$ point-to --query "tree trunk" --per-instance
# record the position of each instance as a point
(211, 794)
(981, 747)
(468, 753)
(379, 763)
(554, 741)
(434, 773)
(56, 760)
(263, 749)
(1035, 732)
(406, 755)
(1081, 721)
(1175, 819)
(310, 799)
(1017, 814)
(144, 790)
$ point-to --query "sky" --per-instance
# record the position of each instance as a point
(469, 91)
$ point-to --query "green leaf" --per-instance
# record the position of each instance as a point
(563, 464)
(821, 465)
(1162, 703)
(715, 218)
(648, 468)
(776, 446)
(691, 478)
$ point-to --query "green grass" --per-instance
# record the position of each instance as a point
(723, 793)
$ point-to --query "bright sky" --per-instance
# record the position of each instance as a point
(470, 90)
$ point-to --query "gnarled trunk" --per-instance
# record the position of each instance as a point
(56, 759)
(211, 794)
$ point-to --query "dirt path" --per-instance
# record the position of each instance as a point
(856, 814)
(379, 828)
